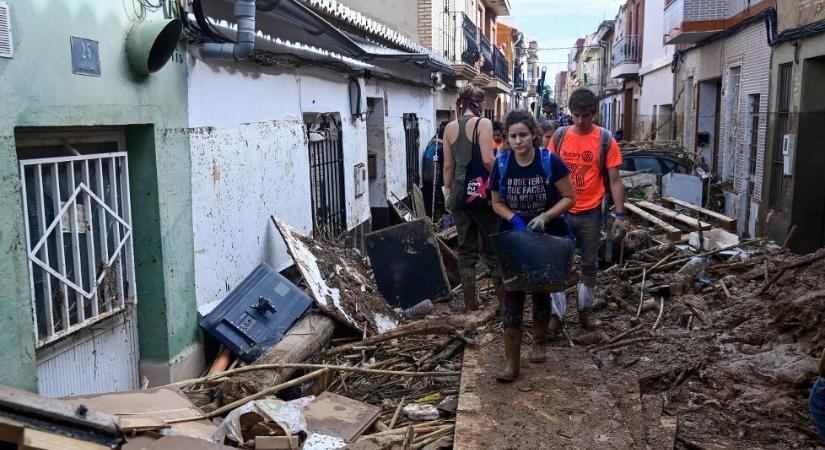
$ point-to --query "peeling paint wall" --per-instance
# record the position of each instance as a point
(250, 160)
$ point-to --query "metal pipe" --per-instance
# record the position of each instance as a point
(244, 11)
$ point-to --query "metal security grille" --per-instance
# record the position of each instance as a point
(412, 138)
(783, 123)
(79, 236)
(326, 170)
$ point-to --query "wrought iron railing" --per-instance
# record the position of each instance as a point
(502, 67)
(470, 52)
(626, 50)
(487, 64)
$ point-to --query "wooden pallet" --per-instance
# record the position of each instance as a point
(673, 234)
(723, 221)
(684, 219)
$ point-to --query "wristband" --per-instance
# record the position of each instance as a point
(619, 214)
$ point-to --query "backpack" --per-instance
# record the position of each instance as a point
(604, 147)
(504, 158)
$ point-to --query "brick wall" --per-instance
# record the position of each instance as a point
(707, 9)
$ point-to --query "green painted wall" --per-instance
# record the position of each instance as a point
(38, 89)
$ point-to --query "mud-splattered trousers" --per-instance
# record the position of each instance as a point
(470, 223)
(513, 311)
(586, 227)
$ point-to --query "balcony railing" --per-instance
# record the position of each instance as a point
(626, 51)
(487, 65)
(502, 68)
(519, 83)
(470, 52)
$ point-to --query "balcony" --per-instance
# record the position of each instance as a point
(500, 82)
(626, 57)
(690, 21)
(462, 46)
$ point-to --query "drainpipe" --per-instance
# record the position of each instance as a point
(245, 13)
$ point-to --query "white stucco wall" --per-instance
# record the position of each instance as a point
(655, 69)
(250, 160)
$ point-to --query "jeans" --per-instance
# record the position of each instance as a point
(817, 402)
(470, 223)
(513, 313)
(587, 231)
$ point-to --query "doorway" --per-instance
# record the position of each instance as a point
(808, 196)
(376, 155)
(707, 123)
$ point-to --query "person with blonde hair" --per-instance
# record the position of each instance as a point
(468, 160)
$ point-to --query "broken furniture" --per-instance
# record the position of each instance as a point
(257, 313)
(403, 257)
(340, 417)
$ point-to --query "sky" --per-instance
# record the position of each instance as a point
(558, 23)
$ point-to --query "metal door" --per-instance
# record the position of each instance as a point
(81, 272)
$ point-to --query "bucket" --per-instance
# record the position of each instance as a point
(533, 262)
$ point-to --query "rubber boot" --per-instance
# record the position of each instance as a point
(554, 326)
(512, 355)
(539, 351)
(468, 286)
(587, 320)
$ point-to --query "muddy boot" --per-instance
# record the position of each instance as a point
(555, 325)
(468, 286)
(539, 351)
(512, 355)
(587, 320)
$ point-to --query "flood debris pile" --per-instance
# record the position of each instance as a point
(716, 348)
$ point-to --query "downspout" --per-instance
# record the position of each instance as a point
(244, 11)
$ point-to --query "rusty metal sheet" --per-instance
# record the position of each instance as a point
(337, 416)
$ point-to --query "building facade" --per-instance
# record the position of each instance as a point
(792, 195)
(627, 50)
(656, 100)
(725, 79)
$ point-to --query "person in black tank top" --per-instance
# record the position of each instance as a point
(468, 140)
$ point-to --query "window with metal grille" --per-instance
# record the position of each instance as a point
(78, 230)
(326, 173)
(413, 141)
(783, 119)
(753, 140)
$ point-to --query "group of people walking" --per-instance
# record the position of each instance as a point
(537, 180)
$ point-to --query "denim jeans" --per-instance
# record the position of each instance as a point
(586, 227)
(817, 403)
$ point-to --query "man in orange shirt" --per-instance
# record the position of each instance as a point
(582, 147)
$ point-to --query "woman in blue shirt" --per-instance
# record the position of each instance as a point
(532, 194)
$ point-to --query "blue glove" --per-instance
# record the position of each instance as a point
(518, 223)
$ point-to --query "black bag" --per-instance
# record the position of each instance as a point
(476, 190)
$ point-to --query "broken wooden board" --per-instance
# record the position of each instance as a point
(341, 290)
(673, 234)
(402, 257)
(450, 260)
(30, 433)
(561, 403)
(19, 403)
(725, 222)
(166, 404)
(418, 202)
(692, 222)
(32, 439)
(175, 443)
(334, 415)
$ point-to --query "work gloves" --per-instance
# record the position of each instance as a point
(518, 223)
(619, 229)
(539, 223)
(446, 191)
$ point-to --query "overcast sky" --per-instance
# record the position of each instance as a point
(558, 23)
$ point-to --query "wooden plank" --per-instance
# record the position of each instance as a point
(54, 410)
(419, 207)
(41, 440)
(727, 222)
(673, 215)
(673, 234)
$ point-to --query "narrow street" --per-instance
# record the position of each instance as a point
(412, 224)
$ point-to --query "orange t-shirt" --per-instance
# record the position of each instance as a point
(581, 154)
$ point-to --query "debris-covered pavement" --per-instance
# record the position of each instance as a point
(706, 349)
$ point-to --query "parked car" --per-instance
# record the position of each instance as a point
(653, 162)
